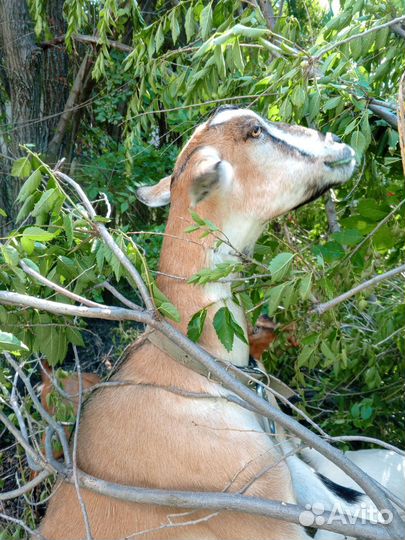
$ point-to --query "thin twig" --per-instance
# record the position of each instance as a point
(376, 229)
(15, 406)
(41, 476)
(37, 404)
(74, 450)
(61, 290)
(321, 308)
(358, 36)
(109, 241)
(34, 535)
(371, 440)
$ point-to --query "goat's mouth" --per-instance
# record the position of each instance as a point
(339, 163)
(344, 159)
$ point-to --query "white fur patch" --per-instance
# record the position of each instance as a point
(227, 115)
(310, 142)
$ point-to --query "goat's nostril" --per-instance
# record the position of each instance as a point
(336, 138)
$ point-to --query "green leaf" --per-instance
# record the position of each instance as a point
(3, 213)
(358, 142)
(8, 342)
(206, 21)
(46, 202)
(314, 106)
(54, 345)
(74, 336)
(347, 237)
(289, 295)
(220, 61)
(326, 351)
(332, 103)
(10, 255)
(280, 266)
(68, 227)
(159, 38)
(275, 298)
(28, 245)
(38, 234)
(370, 209)
(224, 325)
(196, 325)
(190, 23)
(197, 219)
(31, 264)
(26, 208)
(305, 286)
(175, 27)
(298, 96)
(305, 355)
(237, 56)
(21, 167)
(170, 311)
(164, 305)
(330, 251)
(223, 329)
(30, 185)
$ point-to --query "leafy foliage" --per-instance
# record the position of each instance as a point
(316, 68)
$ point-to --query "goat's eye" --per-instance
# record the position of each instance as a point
(256, 132)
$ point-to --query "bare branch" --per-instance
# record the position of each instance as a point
(228, 501)
(118, 295)
(105, 235)
(371, 440)
(92, 40)
(37, 404)
(34, 535)
(36, 458)
(331, 214)
(58, 308)
(60, 129)
(385, 114)
(268, 13)
(74, 450)
(16, 408)
(398, 30)
(61, 290)
(321, 308)
(41, 476)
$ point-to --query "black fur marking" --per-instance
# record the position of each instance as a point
(291, 149)
(349, 495)
(315, 195)
(181, 169)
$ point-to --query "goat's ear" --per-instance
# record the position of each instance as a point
(211, 174)
(156, 195)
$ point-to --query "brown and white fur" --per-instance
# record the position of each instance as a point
(239, 171)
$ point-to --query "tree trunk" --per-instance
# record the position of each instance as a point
(37, 87)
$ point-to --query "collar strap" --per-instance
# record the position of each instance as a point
(243, 374)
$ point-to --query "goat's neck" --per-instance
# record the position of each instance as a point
(185, 254)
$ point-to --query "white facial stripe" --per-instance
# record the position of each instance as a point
(310, 143)
(226, 116)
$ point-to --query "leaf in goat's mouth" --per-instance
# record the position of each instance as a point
(339, 162)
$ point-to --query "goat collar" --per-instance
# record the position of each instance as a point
(251, 375)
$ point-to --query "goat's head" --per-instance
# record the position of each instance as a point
(238, 164)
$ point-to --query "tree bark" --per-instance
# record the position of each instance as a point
(37, 87)
(21, 61)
